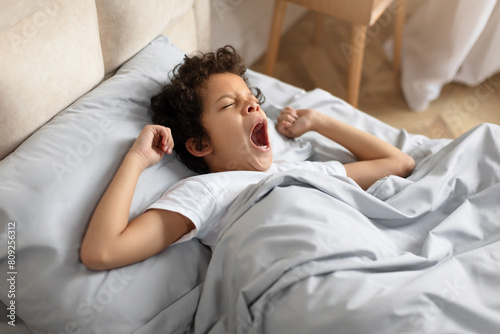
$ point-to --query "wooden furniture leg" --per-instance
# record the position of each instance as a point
(398, 33)
(274, 39)
(357, 45)
(342, 9)
(320, 18)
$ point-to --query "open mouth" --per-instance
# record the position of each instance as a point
(259, 137)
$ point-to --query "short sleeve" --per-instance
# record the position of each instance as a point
(190, 198)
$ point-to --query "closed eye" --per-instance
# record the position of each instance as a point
(227, 106)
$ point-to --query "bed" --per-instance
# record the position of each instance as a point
(299, 253)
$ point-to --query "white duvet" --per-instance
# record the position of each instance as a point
(307, 253)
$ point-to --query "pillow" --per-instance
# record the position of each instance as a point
(417, 146)
(51, 185)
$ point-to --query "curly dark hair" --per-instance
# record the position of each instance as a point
(179, 105)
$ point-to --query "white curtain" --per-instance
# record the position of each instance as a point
(445, 41)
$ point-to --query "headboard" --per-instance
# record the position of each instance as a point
(54, 51)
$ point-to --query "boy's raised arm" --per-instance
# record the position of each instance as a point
(377, 158)
(111, 241)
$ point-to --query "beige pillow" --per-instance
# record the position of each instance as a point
(48, 59)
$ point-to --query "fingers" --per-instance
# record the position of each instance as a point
(161, 137)
(284, 131)
(287, 118)
(167, 141)
(294, 123)
(288, 114)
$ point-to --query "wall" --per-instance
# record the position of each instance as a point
(246, 24)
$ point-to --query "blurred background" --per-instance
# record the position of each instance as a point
(449, 80)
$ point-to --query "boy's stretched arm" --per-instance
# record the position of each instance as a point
(111, 241)
(377, 158)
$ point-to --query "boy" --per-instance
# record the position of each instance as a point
(214, 118)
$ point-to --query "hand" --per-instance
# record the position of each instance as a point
(294, 123)
(152, 144)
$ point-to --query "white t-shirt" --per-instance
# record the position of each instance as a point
(204, 199)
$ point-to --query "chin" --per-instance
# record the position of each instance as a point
(262, 166)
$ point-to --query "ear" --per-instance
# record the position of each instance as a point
(191, 144)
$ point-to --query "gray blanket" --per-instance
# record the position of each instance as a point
(307, 253)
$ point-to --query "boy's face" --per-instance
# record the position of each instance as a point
(236, 124)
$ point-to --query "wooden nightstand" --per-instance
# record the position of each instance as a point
(361, 13)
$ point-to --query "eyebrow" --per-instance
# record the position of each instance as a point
(223, 96)
(232, 96)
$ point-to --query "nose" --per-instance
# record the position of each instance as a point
(252, 107)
